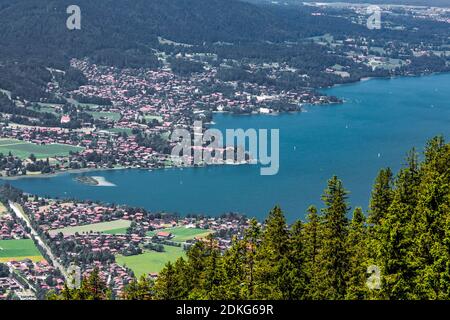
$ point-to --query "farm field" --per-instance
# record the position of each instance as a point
(150, 261)
(19, 250)
(182, 234)
(23, 149)
(111, 227)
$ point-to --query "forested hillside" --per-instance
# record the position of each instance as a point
(35, 37)
(33, 28)
(400, 249)
(34, 34)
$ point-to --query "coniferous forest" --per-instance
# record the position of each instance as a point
(399, 249)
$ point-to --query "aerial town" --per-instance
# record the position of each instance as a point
(55, 234)
(96, 115)
(131, 130)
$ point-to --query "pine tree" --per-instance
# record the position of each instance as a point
(91, 288)
(357, 245)
(380, 201)
(334, 256)
(381, 196)
(312, 243)
(235, 284)
(167, 286)
(297, 268)
(252, 241)
(213, 274)
(184, 278)
(397, 233)
(141, 289)
(431, 247)
(95, 287)
(270, 256)
(196, 263)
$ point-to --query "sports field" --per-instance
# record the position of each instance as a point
(182, 234)
(18, 250)
(150, 261)
(23, 149)
(111, 227)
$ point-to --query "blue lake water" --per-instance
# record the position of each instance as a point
(379, 122)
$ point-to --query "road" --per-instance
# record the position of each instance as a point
(21, 215)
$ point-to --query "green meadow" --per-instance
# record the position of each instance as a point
(114, 116)
(117, 231)
(23, 149)
(48, 107)
(150, 261)
(18, 250)
(128, 131)
(110, 227)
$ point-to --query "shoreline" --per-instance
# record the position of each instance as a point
(365, 79)
(90, 170)
(58, 173)
(106, 183)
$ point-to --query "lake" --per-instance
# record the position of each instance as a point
(378, 123)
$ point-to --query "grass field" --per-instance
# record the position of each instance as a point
(23, 149)
(19, 250)
(115, 116)
(117, 231)
(182, 234)
(48, 107)
(150, 261)
(128, 131)
(46, 110)
(111, 227)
